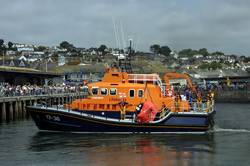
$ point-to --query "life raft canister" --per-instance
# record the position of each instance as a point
(147, 113)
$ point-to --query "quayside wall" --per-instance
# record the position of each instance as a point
(232, 96)
(14, 108)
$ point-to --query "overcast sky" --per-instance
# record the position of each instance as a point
(222, 25)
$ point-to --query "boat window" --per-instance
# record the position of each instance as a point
(140, 93)
(95, 91)
(112, 91)
(131, 93)
(104, 91)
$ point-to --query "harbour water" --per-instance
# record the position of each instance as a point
(21, 143)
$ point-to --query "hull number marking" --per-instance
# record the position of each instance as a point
(53, 118)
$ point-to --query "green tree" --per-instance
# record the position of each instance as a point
(1, 42)
(217, 53)
(10, 45)
(2, 47)
(204, 66)
(242, 57)
(188, 52)
(165, 50)
(247, 60)
(185, 52)
(215, 65)
(248, 70)
(67, 45)
(102, 49)
(203, 51)
(193, 52)
(41, 48)
(211, 66)
(155, 48)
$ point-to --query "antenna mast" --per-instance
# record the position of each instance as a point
(125, 63)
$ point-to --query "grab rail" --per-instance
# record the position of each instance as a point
(205, 106)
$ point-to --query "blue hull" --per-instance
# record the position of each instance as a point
(71, 121)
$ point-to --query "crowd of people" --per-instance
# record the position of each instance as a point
(202, 90)
(7, 90)
(233, 86)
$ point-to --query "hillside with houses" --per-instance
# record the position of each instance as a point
(66, 58)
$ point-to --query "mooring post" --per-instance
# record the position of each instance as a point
(3, 116)
(35, 101)
(62, 100)
(50, 101)
(20, 109)
(10, 111)
(16, 110)
(24, 109)
(67, 99)
(30, 102)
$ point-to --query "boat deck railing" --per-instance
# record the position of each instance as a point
(154, 78)
(203, 106)
(197, 107)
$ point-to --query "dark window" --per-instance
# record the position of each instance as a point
(112, 91)
(104, 91)
(95, 91)
(131, 93)
(140, 93)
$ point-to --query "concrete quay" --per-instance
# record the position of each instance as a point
(14, 108)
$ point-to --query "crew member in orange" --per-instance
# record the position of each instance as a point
(122, 105)
(177, 102)
(208, 102)
(199, 100)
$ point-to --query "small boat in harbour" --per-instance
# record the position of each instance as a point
(131, 103)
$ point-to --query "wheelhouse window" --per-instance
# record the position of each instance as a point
(140, 93)
(104, 91)
(94, 91)
(131, 93)
(112, 91)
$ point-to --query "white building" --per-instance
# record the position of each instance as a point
(61, 60)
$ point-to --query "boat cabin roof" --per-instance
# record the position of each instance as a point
(123, 77)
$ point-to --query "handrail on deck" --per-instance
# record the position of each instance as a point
(204, 106)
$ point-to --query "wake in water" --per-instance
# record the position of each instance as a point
(218, 129)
